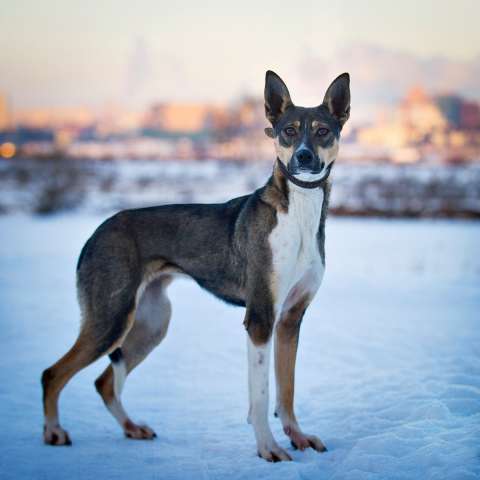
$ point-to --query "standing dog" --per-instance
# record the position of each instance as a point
(264, 251)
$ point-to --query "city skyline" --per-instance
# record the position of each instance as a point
(63, 54)
(420, 128)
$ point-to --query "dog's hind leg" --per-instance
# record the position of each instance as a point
(150, 327)
(89, 346)
(108, 277)
(287, 333)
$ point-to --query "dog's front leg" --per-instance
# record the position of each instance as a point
(287, 333)
(259, 340)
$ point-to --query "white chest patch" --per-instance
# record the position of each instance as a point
(297, 265)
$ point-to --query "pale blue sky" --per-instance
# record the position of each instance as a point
(90, 52)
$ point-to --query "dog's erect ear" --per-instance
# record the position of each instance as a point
(337, 98)
(277, 98)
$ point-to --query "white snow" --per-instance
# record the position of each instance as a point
(388, 374)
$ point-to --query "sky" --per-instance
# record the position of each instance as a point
(63, 53)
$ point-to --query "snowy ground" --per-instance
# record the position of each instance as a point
(388, 373)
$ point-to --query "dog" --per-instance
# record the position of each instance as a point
(264, 251)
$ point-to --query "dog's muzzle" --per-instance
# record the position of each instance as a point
(305, 160)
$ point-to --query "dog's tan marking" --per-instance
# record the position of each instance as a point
(328, 155)
(104, 385)
(316, 123)
(286, 343)
(87, 348)
(277, 196)
(283, 153)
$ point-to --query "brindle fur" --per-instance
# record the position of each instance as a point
(129, 260)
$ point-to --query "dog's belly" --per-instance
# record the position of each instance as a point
(297, 268)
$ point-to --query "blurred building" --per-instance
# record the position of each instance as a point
(211, 131)
(181, 118)
(59, 117)
(420, 115)
(115, 120)
(423, 127)
(461, 114)
(4, 113)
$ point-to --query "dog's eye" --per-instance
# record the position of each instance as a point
(321, 132)
(290, 131)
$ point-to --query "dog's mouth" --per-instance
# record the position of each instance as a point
(309, 170)
(314, 181)
(324, 172)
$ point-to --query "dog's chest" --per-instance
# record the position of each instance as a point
(296, 261)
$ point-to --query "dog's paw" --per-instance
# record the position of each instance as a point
(302, 441)
(138, 432)
(55, 436)
(273, 453)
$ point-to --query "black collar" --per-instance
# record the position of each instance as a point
(302, 183)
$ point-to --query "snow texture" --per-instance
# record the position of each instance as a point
(388, 374)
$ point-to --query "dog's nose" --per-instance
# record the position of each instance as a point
(304, 157)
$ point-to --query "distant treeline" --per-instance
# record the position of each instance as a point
(55, 184)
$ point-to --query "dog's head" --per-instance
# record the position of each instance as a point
(306, 139)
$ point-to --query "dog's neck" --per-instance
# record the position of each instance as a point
(307, 208)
